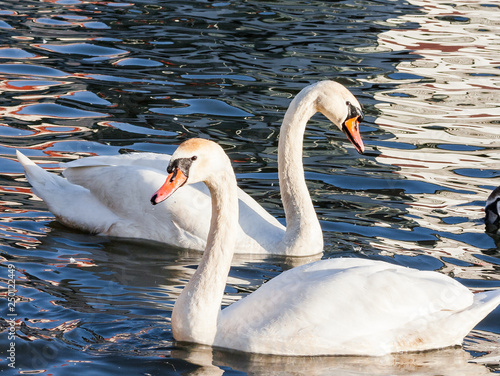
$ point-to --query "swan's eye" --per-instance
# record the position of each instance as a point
(194, 158)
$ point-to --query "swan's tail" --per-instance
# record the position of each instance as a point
(73, 205)
(39, 179)
(484, 303)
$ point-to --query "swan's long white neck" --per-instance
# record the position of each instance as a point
(194, 318)
(303, 230)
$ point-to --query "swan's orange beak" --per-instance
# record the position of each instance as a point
(175, 180)
(351, 130)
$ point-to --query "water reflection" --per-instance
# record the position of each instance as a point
(85, 49)
(28, 85)
(47, 110)
(444, 362)
(30, 70)
(447, 113)
(202, 106)
(138, 62)
(15, 53)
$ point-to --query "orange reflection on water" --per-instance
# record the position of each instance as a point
(45, 146)
(4, 189)
(45, 129)
(9, 232)
(28, 85)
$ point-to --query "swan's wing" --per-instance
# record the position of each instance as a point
(348, 306)
(125, 183)
(149, 160)
(127, 189)
(260, 231)
(110, 196)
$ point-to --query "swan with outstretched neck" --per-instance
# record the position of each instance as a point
(345, 306)
(104, 194)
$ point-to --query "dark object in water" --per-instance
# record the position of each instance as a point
(491, 209)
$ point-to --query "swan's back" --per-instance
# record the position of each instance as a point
(150, 160)
(352, 306)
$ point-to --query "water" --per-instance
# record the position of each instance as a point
(99, 78)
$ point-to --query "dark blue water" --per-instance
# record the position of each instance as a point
(101, 78)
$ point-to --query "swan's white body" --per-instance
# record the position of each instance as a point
(329, 307)
(352, 306)
(108, 195)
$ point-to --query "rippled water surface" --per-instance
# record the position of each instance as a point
(85, 78)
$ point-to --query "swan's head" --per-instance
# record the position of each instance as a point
(195, 160)
(342, 108)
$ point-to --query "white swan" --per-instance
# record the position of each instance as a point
(104, 195)
(328, 307)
